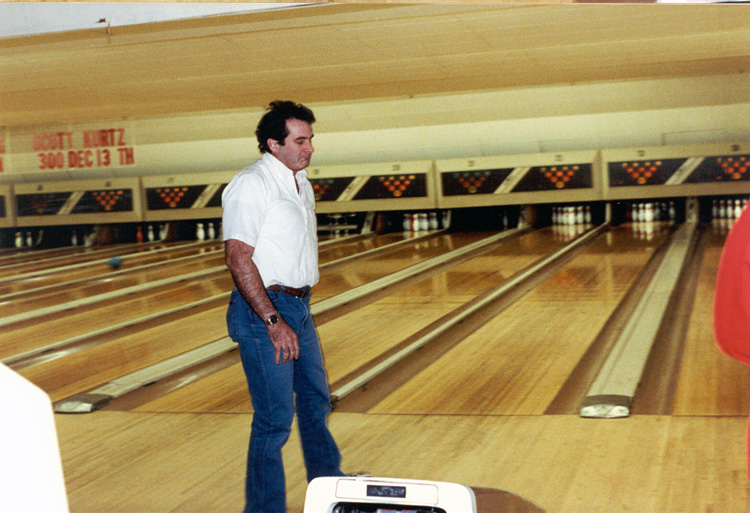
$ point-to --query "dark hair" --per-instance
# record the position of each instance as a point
(273, 123)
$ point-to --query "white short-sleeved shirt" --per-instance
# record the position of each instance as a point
(263, 209)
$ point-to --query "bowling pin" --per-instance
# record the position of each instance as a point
(29, 239)
(446, 219)
(587, 215)
(424, 223)
(19, 240)
(74, 239)
(648, 213)
(737, 208)
(722, 209)
(211, 231)
(150, 233)
(407, 222)
(672, 211)
(200, 233)
(579, 214)
(139, 234)
(433, 221)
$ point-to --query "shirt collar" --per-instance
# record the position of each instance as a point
(276, 163)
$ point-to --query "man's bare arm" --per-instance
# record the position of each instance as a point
(248, 281)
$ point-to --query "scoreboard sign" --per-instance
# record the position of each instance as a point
(718, 169)
(76, 202)
(100, 201)
(519, 179)
(184, 196)
(704, 170)
(378, 186)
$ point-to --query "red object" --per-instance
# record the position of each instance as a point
(732, 298)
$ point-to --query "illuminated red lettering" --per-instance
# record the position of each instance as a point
(126, 156)
(103, 158)
(80, 159)
(51, 160)
(54, 141)
(104, 138)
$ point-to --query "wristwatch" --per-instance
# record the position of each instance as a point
(272, 320)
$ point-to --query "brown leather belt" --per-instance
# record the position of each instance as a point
(300, 293)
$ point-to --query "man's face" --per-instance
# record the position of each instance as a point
(297, 149)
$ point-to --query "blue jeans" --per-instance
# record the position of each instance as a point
(275, 390)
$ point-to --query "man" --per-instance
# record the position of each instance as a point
(270, 235)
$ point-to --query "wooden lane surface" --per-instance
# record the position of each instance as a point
(343, 248)
(65, 273)
(80, 256)
(517, 363)
(101, 363)
(371, 267)
(357, 338)
(22, 337)
(81, 370)
(15, 256)
(145, 256)
(49, 329)
(709, 383)
(103, 284)
(52, 329)
(193, 463)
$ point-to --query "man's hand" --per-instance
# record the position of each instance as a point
(284, 340)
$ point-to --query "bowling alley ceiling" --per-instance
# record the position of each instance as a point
(344, 53)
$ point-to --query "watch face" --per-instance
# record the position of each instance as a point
(272, 320)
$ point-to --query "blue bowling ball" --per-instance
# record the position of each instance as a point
(115, 262)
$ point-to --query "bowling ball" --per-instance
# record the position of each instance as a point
(115, 262)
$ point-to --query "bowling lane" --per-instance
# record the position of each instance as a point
(372, 267)
(126, 352)
(516, 363)
(39, 332)
(356, 339)
(50, 329)
(342, 248)
(77, 256)
(64, 292)
(80, 369)
(709, 383)
(20, 255)
(67, 273)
